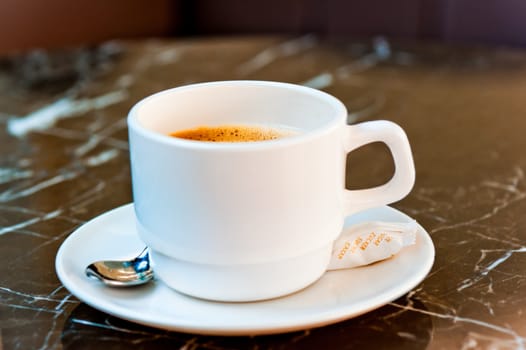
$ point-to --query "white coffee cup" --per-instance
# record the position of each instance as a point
(251, 220)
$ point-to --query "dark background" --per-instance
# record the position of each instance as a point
(28, 24)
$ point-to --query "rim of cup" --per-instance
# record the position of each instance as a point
(340, 112)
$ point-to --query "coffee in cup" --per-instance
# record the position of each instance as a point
(231, 133)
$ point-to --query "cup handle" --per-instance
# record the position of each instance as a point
(404, 176)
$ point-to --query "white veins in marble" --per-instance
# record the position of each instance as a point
(101, 158)
(11, 174)
(168, 56)
(67, 174)
(320, 81)
(381, 52)
(97, 137)
(510, 186)
(63, 108)
(481, 272)
(285, 49)
(31, 221)
(13, 193)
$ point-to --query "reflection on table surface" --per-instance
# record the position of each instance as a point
(64, 160)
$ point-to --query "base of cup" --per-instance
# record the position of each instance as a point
(242, 283)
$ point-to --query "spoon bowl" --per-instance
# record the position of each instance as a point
(122, 273)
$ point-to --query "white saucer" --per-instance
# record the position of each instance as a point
(337, 296)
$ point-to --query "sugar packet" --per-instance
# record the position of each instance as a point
(368, 242)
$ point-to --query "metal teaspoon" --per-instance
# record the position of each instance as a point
(122, 273)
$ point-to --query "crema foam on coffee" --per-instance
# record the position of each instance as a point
(231, 133)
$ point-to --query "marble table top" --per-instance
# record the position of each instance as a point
(64, 160)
